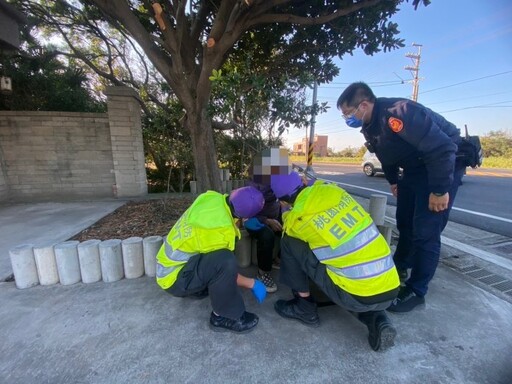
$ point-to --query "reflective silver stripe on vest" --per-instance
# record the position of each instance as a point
(174, 255)
(177, 255)
(162, 271)
(359, 241)
(365, 270)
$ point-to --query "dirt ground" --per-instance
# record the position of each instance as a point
(138, 218)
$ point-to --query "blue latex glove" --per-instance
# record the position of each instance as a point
(259, 291)
(253, 224)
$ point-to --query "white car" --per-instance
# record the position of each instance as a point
(371, 164)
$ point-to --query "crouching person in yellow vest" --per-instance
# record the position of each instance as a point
(197, 257)
(330, 239)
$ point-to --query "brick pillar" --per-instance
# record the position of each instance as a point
(127, 147)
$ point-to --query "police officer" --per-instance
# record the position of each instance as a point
(197, 257)
(404, 134)
(330, 239)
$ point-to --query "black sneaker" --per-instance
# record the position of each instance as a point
(267, 281)
(244, 324)
(299, 309)
(406, 301)
(381, 333)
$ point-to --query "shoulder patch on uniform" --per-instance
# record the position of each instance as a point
(395, 124)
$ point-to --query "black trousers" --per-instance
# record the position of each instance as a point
(216, 271)
(299, 264)
(419, 243)
(266, 238)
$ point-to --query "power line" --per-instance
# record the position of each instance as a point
(470, 97)
(464, 82)
(371, 83)
(493, 105)
(373, 86)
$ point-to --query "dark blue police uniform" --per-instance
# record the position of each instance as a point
(405, 134)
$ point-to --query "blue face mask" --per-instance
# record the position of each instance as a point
(354, 122)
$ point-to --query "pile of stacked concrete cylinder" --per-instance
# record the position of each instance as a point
(90, 261)
(226, 182)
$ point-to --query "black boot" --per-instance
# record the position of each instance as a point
(300, 309)
(244, 324)
(381, 332)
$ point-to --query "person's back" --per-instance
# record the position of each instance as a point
(197, 259)
(207, 225)
(330, 239)
(342, 236)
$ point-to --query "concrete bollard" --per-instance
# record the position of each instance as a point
(133, 258)
(229, 186)
(243, 250)
(386, 231)
(68, 266)
(151, 246)
(89, 258)
(193, 187)
(111, 260)
(46, 264)
(24, 266)
(377, 208)
(254, 251)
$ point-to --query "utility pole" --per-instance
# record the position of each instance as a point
(309, 167)
(414, 70)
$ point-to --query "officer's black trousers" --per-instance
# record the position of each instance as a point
(216, 271)
(419, 243)
(299, 264)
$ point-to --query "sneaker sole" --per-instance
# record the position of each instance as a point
(311, 325)
(420, 307)
(271, 289)
(387, 338)
(267, 288)
(222, 329)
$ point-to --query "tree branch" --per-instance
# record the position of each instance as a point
(301, 20)
(220, 126)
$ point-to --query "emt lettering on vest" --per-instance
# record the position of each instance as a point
(182, 229)
(342, 218)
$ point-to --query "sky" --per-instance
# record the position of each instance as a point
(465, 67)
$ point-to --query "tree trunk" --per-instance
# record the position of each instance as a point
(203, 149)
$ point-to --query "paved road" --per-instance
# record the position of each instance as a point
(483, 201)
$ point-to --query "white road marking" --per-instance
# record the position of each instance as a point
(329, 173)
(484, 255)
(505, 220)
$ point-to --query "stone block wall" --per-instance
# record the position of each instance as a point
(3, 184)
(126, 140)
(66, 155)
(47, 155)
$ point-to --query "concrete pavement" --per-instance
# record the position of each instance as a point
(46, 222)
(131, 331)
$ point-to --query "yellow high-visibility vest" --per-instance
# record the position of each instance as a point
(206, 226)
(342, 236)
